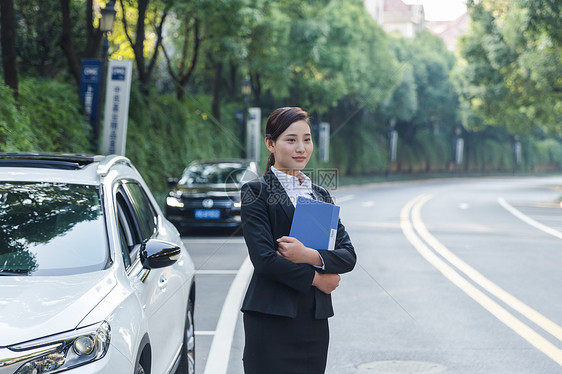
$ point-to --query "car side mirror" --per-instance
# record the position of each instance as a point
(157, 253)
(172, 182)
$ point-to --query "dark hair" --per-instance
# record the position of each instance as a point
(278, 121)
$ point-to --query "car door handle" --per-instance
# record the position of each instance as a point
(163, 282)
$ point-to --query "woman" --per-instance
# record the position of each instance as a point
(288, 303)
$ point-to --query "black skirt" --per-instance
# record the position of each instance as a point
(282, 345)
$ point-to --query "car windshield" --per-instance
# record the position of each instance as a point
(51, 229)
(224, 172)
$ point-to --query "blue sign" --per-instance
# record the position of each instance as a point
(89, 87)
(118, 73)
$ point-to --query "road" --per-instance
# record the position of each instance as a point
(456, 276)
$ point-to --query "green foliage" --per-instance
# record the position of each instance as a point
(327, 56)
(38, 28)
(510, 72)
(428, 151)
(548, 155)
(15, 129)
(54, 111)
(46, 118)
(165, 135)
(361, 151)
(316, 54)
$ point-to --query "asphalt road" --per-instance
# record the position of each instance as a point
(455, 276)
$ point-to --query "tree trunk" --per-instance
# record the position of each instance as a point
(67, 43)
(8, 43)
(138, 47)
(144, 71)
(184, 77)
(216, 91)
(94, 35)
(256, 89)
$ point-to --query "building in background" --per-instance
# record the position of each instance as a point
(450, 31)
(395, 16)
(407, 20)
(375, 9)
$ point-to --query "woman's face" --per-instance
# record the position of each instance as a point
(293, 148)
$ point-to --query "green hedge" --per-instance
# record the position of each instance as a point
(360, 150)
(46, 117)
(547, 155)
(15, 129)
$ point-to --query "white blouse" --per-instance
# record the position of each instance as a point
(294, 186)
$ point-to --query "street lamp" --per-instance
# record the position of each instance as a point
(106, 25)
(107, 17)
(246, 91)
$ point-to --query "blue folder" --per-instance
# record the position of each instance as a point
(315, 223)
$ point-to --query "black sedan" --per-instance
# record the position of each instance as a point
(208, 194)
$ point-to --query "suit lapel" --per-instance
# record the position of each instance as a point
(319, 194)
(316, 193)
(278, 196)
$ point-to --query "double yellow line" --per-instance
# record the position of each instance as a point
(450, 266)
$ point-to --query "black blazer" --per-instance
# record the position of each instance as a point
(267, 214)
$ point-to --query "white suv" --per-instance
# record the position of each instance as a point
(93, 278)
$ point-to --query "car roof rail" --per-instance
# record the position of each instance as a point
(110, 161)
(68, 161)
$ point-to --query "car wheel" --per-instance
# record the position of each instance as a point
(187, 360)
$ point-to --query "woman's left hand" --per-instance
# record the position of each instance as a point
(293, 250)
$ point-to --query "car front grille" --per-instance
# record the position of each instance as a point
(222, 203)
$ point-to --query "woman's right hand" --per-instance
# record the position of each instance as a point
(326, 282)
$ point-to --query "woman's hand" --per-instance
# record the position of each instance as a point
(326, 282)
(293, 250)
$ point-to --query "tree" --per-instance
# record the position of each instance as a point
(316, 54)
(67, 43)
(510, 67)
(8, 42)
(185, 37)
(427, 61)
(153, 14)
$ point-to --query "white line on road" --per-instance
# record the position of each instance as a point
(206, 333)
(216, 272)
(219, 354)
(413, 208)
(529, 220)
(338, 200)
(230, 240)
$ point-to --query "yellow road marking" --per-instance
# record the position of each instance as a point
(408, 227)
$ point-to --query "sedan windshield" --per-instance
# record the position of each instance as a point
(51, 229)
(224, 172)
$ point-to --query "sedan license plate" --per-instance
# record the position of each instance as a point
(207, 213)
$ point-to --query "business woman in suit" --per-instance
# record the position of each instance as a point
(288, 302)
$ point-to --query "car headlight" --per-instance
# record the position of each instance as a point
(68, 350)
(174, 202)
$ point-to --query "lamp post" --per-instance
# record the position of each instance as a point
(458, 148)
(246, 91)
(106, 25)
(392, 142)
(516, 153)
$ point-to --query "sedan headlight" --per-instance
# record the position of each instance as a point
(66, 351)
(174, 202)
